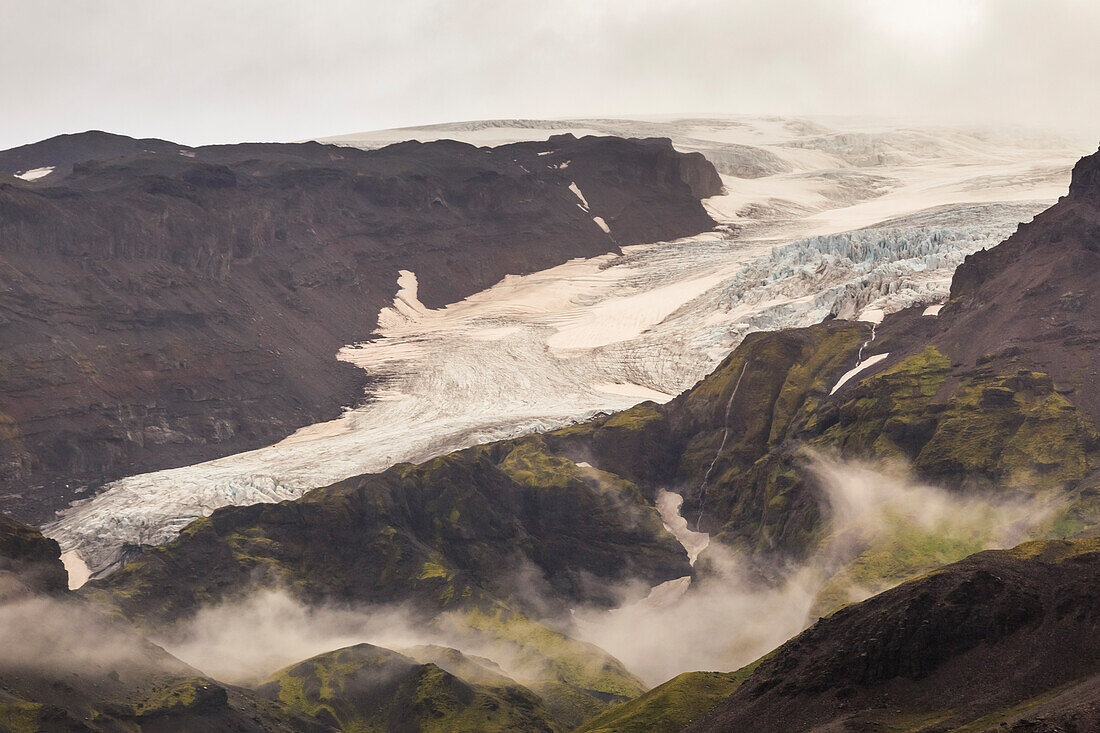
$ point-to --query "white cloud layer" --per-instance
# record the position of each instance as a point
(210, 71)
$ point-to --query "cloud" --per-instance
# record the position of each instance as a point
(225, 72)
(897, 526)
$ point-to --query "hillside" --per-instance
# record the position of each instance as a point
(1004, 640)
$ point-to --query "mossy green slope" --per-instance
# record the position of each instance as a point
(448, 534)
(575, 680)
(64, 666)
(367, 688)
(669, 707)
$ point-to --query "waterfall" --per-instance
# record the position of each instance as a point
(725, 437)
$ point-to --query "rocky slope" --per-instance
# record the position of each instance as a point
(161, 305)
(491, 542)
(58, 155)
(1004, 640)
(66, 667)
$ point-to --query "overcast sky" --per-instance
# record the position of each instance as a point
(206, 71)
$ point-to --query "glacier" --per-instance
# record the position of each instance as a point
(540, 351)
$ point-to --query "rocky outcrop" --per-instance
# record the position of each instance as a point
(982, 640)
(162, 305)
(29, 561)
(61, 153)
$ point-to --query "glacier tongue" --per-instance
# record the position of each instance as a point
(541, 351)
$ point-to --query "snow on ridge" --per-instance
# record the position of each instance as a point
(35, 173)
(668, 507)
(865, 364)
(577, 191)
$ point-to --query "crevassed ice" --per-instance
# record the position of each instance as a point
(487, 368)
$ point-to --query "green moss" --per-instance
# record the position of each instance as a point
(886, 413)
(576, 679)
(366, 688)
(179, 694)
(19, 716)
(811, 375)
(905, 552)
(669, 707)
(673, 705)
(635, 418)
(433, 569)
(531, 464)
(1055, 550)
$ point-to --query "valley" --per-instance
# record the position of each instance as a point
(567, 494)
(599, 334)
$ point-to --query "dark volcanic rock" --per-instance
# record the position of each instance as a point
(64, 151)
(986, 638)
(32, 559)
(1033, 298)
(158, 309)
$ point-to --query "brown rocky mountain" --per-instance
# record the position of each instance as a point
(161, 305)
(1004, 640)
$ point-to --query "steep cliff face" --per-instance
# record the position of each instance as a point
(165, 305)
(29, 561)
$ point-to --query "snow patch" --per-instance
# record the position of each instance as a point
(78, 570)
(933, 310)
(668, 506)
(406, 303)
(601, 224)
(865, 364)
(35, 173)
(576, 190)
(872, 315)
